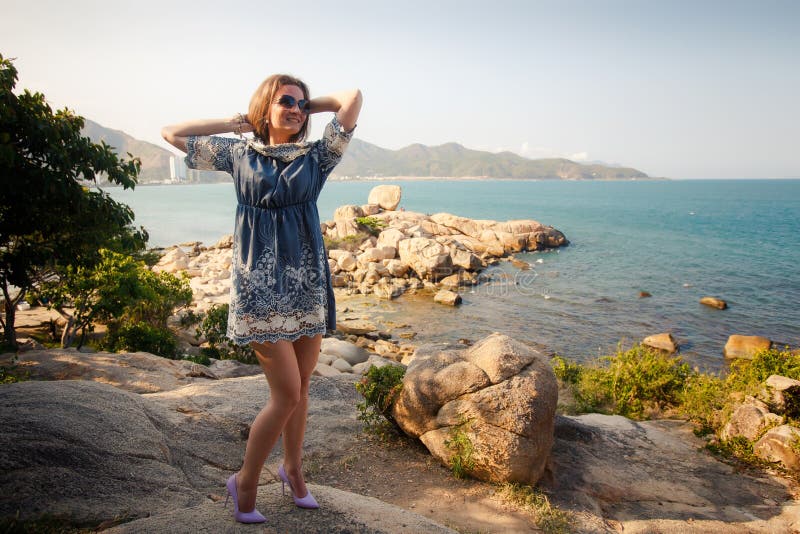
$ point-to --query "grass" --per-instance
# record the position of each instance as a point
(461, 461)
(643, 383)
(549, 518)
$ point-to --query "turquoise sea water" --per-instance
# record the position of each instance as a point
(678, 240)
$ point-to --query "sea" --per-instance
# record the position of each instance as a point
(676, 240)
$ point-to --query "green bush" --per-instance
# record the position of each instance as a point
(373, 224)
(214, 327)
(380, 387)
(141, 337)
(461, 461)
(631, 382)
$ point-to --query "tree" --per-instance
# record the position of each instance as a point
(49, 216)
(118, 290)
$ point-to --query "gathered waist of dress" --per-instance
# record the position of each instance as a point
(277, 208)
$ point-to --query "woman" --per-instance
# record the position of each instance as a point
(281, 293)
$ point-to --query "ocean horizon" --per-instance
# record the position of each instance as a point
(677, 240)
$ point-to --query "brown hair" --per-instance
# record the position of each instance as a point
(262, 99)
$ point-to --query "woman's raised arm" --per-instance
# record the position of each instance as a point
(176, 134)
(346, 105)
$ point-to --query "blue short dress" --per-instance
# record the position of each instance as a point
(280, 280)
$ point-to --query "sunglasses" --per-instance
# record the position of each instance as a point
(288, 102)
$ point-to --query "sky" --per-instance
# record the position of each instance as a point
(677, 89)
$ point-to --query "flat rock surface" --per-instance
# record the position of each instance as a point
(339, 512)
(654, 476)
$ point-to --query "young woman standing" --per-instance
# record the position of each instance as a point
(281, 294)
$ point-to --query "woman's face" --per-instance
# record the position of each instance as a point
(285, 121)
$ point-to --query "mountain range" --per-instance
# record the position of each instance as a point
(365, 160)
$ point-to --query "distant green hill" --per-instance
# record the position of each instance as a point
(366, 160)
(453, 160)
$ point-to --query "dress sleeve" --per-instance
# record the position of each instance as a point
(210, 153)
(331, 147)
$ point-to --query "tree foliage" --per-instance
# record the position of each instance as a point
(49, 216)
(119, 291)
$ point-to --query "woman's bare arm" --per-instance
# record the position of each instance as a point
(177, 134)
(346, 105)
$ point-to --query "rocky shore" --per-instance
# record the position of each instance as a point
(377, 249)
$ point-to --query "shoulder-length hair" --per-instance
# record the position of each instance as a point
(258, 112)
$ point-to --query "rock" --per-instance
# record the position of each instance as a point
(465, 259)
(233, 369)
(749, 420)
(654, 476)
(344, 350)
(745, 347)
(25, 344)
(356, 327)
(225, 241)
(390, 237)
(138, 372)
(386, 196)
(326, 359)
(428, 258)
(370, 209)
(347, 212)
(519, 264)
(325, 370)
(779, 445)
(396, 268)
(340, 512)
(447, 297)
(783, 394)
(714, 302)
(499, 393)
(347, 262)
(342, 366)
(663, 342)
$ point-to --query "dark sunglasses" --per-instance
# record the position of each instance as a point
(288, 102)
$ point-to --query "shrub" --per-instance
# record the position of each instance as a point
(380, 387)
(373, 224)
(629, 383)
(141, 337)
(461, 461)
(214, 327)
(349, 242)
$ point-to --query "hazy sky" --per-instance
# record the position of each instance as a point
(677, 89)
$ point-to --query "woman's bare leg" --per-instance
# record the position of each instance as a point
(280, 365)
(307, 351)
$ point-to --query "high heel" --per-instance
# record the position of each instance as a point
(242, 517)
(301, 502)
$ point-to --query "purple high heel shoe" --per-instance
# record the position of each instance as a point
(242, 517)
(301, 502)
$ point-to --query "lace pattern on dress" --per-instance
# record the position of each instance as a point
(332, 145)
(284, 152)
(277, 300)
(210, 153)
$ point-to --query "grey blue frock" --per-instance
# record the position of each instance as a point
(280, 281)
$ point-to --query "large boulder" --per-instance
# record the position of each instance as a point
(745, 347)
(427, 257)
(779, 445)
(499, 394)
(749, 420)
(386, 196)
(663, 341)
